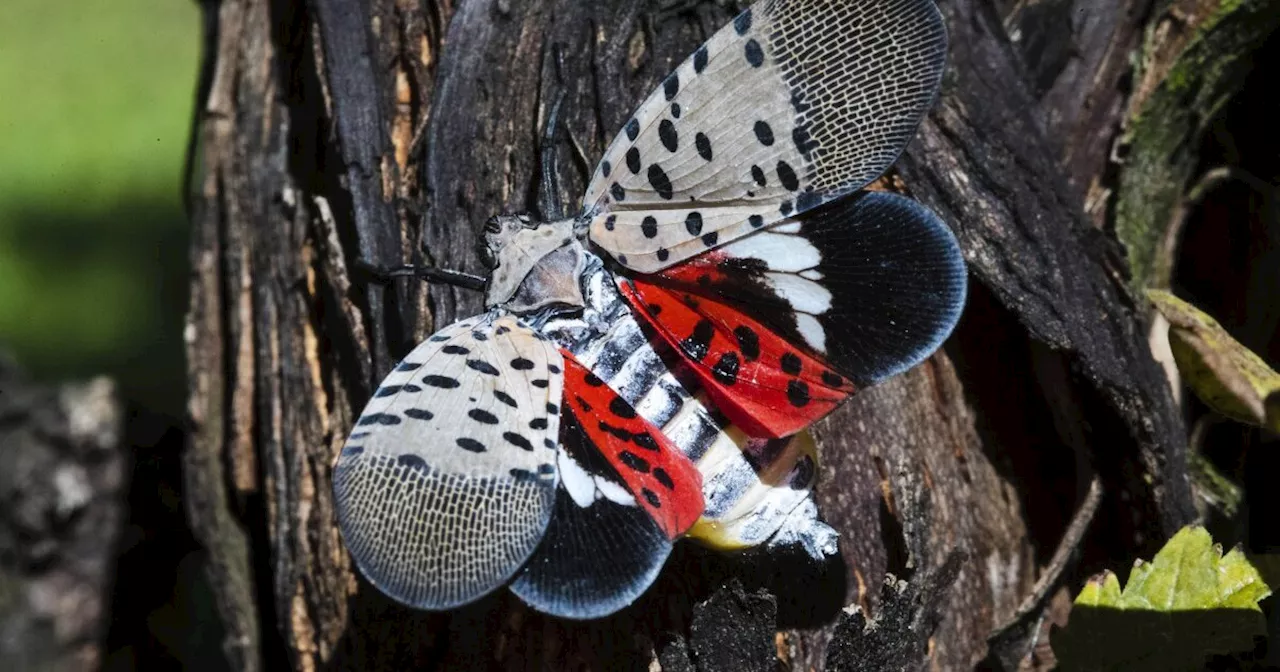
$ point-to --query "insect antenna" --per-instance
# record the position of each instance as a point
(444, 275)
(549, 187)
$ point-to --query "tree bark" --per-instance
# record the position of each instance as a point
(390, 130)
(63, 485)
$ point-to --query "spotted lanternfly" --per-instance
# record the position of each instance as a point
(647, 368)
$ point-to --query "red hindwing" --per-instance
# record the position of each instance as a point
(662, 480)
(762, 383)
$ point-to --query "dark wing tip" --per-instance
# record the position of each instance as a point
(897, 278)
(593, 561)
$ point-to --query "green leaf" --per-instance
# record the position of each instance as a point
(1223, 373)
(1188, 603)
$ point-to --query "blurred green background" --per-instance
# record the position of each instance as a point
(97, 100)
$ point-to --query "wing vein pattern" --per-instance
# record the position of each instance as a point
(448, 482)
(792, 105)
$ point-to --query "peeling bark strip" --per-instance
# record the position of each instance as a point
(306, 164)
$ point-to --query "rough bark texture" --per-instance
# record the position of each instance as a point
(390, 130)
(63, 490)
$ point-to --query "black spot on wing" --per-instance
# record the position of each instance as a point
(726, 369)
(470, 444)
(663, 254)
(645, 440)
(797, 393)
(700, 59)
(742, 23)
(754, 54)
(832, 379)
(764, 133)
(538, 423)
(418, 413)
(482, 416)
(617, 192)
(711, 239)
(552, 409)
(671, 85)
(482, 366)
(757, 174)
(649, 227)
(659, 181)
(703, 143)
(517, 440)
(632, 129)
(610, 222)
(542, 383)
(408, 366)
(634, 461)
(790, 363)
(443, 382)
(787, 175)
(667, 134)
(633, 160)
(697, 344)
(619, 407)
(693, 223)
(651, 497)
(505, 398)
(592, 379)
(455, 350)
(748, 342)
(521, 364)
(411, 462)
(617, 432)
(379, 419)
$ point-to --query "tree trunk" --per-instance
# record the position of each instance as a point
(389, 131)
(63, 483)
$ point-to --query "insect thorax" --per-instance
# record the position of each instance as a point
(534, 264)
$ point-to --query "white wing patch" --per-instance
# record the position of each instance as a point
(448, 480)
(585, 488)
(795, 103)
